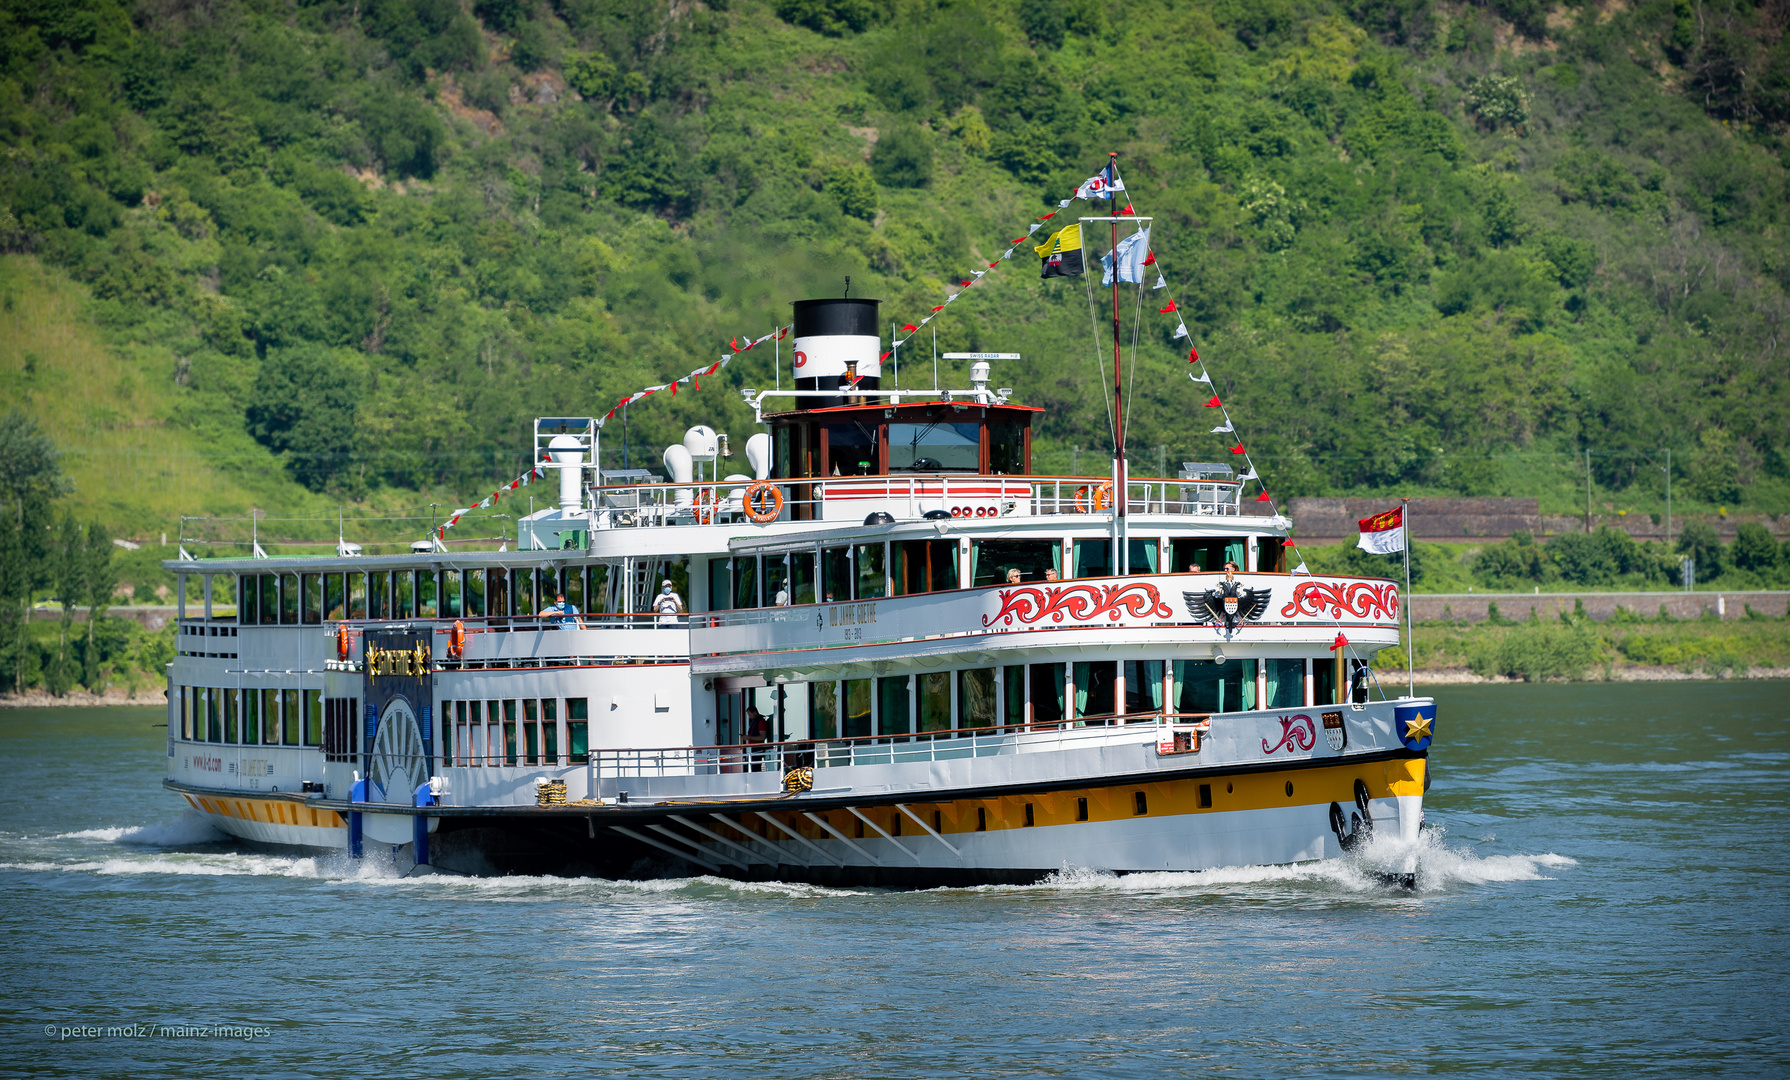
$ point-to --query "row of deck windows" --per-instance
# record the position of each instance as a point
(293, 599)
(517, 731)
(261, 717)
(829, 574)
(1089, 692)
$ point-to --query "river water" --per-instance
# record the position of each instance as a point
(1607, 896)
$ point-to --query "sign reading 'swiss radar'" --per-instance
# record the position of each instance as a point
(398, 691)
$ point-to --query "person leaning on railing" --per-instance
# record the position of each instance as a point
(568, 614)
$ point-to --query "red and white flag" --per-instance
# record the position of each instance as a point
(1383, 534)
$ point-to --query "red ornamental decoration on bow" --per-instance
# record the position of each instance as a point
(1361, 599)
(1296, 733)
(1079, 603)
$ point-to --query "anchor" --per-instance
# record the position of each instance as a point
(1361, 823)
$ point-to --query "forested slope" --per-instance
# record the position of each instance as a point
(1430, 248)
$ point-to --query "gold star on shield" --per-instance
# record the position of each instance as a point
(1418, 728)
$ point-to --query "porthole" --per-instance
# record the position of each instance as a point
(1081, 809)
(1227, 788)
(1141, 806)
(1289, 789)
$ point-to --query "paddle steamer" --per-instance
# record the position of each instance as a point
(895, 655)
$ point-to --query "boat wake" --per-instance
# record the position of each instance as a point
(1384, 866)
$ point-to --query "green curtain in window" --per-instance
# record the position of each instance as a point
(1233, 552)
(1084, 675)
(1143, 556)
(1285, 681)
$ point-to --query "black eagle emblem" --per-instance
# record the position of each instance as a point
(1228, 602)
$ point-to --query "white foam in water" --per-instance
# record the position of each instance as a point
(188, 829)
(1377, 868)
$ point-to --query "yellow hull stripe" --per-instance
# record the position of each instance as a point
(268, 811)
(1163, 798)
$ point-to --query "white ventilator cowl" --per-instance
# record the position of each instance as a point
(567, 453)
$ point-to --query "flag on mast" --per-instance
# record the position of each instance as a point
(1383, 534)
(1062, 253)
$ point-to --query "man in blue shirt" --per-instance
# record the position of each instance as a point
(568, 614)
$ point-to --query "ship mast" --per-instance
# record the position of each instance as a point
(1121, 552)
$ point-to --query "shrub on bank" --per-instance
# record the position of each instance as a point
(1536, 651)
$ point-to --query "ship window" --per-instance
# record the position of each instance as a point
(975, 698)
(1285, 683)
(497, 592)
(1140, 805)
(981, 819)
(509, 733)
(251, 726)
(835, 574)
(267, 703)
(245, 599)
(1093, 558)
(1323, 681)
(1006, 448)
(924, 566)
(745, 581)
(288, 599)
(1270, 555)
(935, 447)
(232, 717)
(550, 729)
(425, 594)
(851, 449)
(531, 733)
(873, 580)
(313, 718)
(856, 718)
(776, 580)
(186, 710)
(823, 711)
(573, 586)
(450, 595)
(1141, 555)
(1047, 693)
(312, 612)
(1013, 695)
(1028, 815)
(720, 585)
(1143, 687)
(1096, 686)
(1202, 686)
(1205, 796)
(993, 562)
(1081, 808)
(892, 707)
(1205, 555)
(577, 729)
(334, 601)
(269, 603)
(801, 576)
(935, 701)
(403, 594)
(379, 594)
(475, 592)
(357, 596)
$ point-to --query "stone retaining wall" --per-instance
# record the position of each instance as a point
(1471, 607)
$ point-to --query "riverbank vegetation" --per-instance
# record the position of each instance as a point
(340, 253)
(1575, 648)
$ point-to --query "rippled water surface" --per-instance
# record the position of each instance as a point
(1607, 896)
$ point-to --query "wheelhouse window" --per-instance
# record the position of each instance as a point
(270, 599)
(335, 600)
(943, 446)
(425, 594)
(851, 449)
(357, 596)
(801, 577)
(313, 599)
(403, 594)
(288, 599)
(835, 574)
(1006, 448)
(745, 581)
(450, 595)
(873, 581)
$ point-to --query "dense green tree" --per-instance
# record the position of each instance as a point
(304, 406)
(902, 157)
(1699, 540)
(1754, 549)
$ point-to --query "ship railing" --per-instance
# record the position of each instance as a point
(722, 501)
(896, 749)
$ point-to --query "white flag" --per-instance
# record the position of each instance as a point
(1201, 377)
(1222, 428)
(1181, 330)
(1383, 534)
(1132, 251)
(1100, 186)
(1250, 475)
(1161, 282)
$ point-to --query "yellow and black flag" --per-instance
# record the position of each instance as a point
(1062, 253)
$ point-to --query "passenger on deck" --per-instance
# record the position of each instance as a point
(668, 604)
(758, 732)
(568, 614)
(1013, 575)
(1050, 575)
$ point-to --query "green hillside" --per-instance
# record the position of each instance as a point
(302, 256)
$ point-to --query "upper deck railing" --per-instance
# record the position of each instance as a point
(910, 496)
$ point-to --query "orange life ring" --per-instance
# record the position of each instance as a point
(342, 641)
(1103, 497)
(760, 509)
(457, 640)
